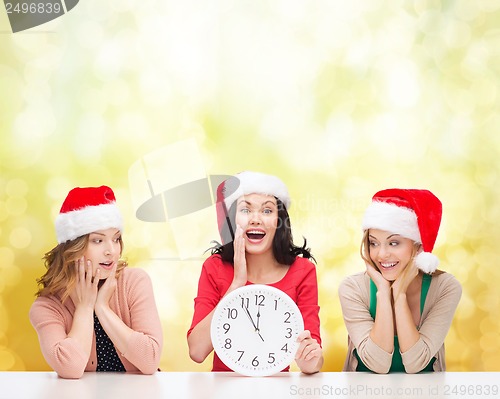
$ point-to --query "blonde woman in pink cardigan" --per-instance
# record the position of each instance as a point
(92, 313)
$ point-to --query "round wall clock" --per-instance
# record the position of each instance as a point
(254, 330)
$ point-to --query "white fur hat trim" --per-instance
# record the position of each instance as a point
(259, 183)
(392, 218)
(74, 224)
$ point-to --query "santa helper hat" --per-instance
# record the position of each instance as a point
(245, 183)
(411, 213)
(85, 210)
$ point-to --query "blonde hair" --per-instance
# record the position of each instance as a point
(365, 254)
(60, 278)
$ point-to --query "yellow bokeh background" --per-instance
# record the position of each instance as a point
(339, 99)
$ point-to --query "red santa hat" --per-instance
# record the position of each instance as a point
(245, 183)
(85, 210)
(411, 213)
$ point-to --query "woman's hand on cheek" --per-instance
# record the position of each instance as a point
(400, 285)
(240, 262)
(84, 293)
(380, 282)
(107, 289)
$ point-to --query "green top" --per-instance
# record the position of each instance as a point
(397, 361)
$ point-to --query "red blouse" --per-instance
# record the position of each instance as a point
(300, 283)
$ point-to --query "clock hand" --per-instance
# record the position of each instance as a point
(250, 317)
(258, 320)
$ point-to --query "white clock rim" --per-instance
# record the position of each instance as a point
(239, 291)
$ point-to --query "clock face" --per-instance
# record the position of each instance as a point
(254, 330)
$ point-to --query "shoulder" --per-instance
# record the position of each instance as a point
(133, 276)
(445, 278)
(358, 283)
(44, 306)
(355, 280)
(301, 269)
(303, 264)
(47, 302)
(134, 283)
(214, 260)
(446, 283)
(133, 273)
(215, 265)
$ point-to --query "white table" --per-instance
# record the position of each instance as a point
(449, 385)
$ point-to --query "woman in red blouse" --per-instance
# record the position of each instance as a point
(257, 248)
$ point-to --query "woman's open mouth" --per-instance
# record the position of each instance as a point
(106, 265)
(255, 235)
(388, 265)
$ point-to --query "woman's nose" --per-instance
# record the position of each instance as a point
(383, 252)
(254, 218)
(110, 249)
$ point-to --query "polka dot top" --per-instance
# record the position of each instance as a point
(107, 358)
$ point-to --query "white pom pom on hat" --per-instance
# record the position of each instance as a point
(411, 213)
(427, 262)
(85, 210)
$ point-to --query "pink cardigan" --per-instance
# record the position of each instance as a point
(133, 301)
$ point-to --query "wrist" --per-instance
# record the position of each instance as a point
(234, 285)
(84, 312)
(83, 307)
(311, 366)
(399, 297)
(383, 293)
(101, 308)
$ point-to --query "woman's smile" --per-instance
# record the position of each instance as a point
(255, 235)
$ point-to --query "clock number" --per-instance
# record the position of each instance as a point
(271, 358)
(285, 348)
(259, 300)
(226, 327)
(289, 333)
(255, 362)
(288, 315)
(275, 304)
(232, 313)
(242, 353)
(245, 302)
(227, 344)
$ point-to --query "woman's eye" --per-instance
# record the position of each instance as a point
(268, 211)
(96, 241)
(244, 210)
(372, 244)
(394, 243)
